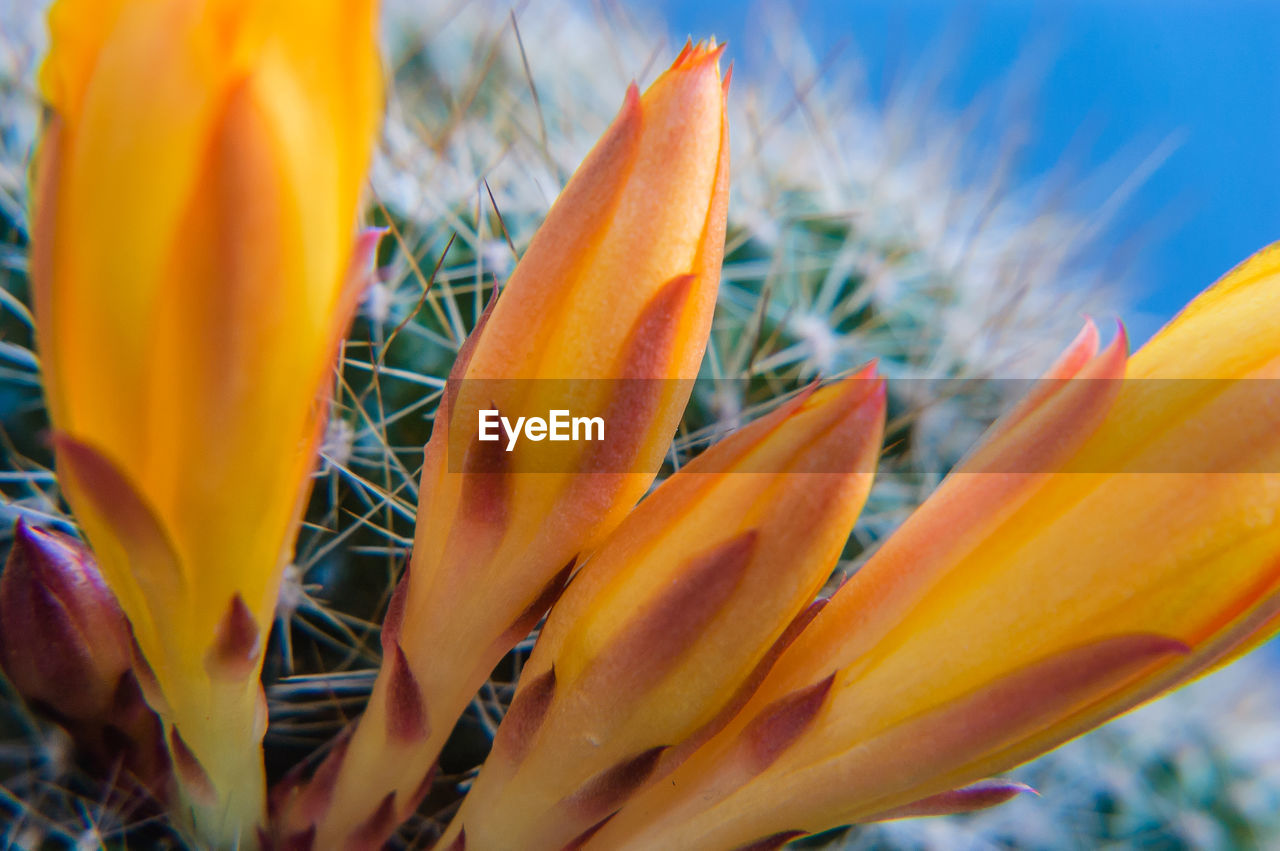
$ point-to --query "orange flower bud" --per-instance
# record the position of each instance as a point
(196, 196)
(673, 622)
(1110, 541)
(607, 315)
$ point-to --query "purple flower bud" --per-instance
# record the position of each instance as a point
(64, 643)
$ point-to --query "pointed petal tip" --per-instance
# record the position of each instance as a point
(1089, 329)
(799, 400)
(146, 678)
(1111, 361)
(424, 787)
(313, 797)
(772, 842)
(804, 393)
(1089, 339)
(370, 237)
(372, 833)
(696, 56)
(777, 726)
(860, 388)
(608, 790)
(487, 484)
(1076, 355)
(541, 604)
(684, 51)
(235, 650)
(23, 531)
(460, 842)
(1122, 335)
(525, 717)
(580, 841)
(967, 799)
(195, 780)
(878, 393)
(866, 386)
(55, 556)
(653, 340)
(35, 546)
(394, 617)
(365, 251)
(865, 372)
(650, 642)
(406, 710)
(670, 298)
(115, 495)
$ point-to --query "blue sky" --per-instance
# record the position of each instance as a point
(1125, 76)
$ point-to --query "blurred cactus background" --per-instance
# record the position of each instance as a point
(854, 233)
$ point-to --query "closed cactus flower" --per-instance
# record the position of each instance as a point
(670, 625)
(1111, 540)
(606, 314)
(196, 198)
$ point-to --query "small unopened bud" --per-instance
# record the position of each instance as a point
(66, 647)
(64, 643)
